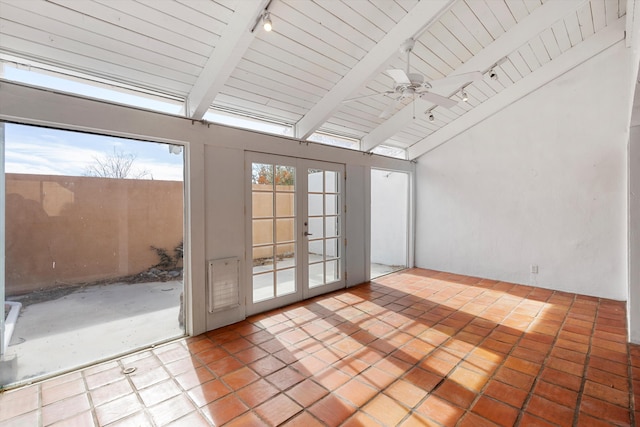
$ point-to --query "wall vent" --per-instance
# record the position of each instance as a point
(222, 281)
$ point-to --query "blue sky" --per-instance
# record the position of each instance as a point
(44, 151)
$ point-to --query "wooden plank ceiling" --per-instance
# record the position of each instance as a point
(319, 53)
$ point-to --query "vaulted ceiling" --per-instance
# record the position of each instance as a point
(215, 54)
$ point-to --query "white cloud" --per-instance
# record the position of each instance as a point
(45, 152)
(51, 158)
(161, 171)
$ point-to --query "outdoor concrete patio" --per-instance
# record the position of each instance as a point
(91, 324)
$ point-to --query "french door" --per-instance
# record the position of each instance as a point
(295, 230)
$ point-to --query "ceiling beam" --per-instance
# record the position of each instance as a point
(229, 50)
(569, 60)
(414, 22)
(539, 20)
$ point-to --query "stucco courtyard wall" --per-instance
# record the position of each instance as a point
(64, 230)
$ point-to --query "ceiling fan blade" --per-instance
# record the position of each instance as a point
(357, 98)
(399, 76)
(457, 80)
(392, 106)
(438, 99)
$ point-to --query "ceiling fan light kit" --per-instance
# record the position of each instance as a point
(414, 85)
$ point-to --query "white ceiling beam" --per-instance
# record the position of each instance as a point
(569, 60)
(539, 20)
(229, 50)
(414, 22)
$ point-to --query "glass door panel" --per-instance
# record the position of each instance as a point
(295, 232)
(324, 233)
(273, 231)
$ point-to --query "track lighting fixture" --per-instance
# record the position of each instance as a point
(264, 18)
(431, 117)
(493, 75)
(464, 96)
(266, 21)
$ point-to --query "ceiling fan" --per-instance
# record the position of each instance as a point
(412, 85)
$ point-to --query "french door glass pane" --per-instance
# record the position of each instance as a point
(316, 275)
(333, 272)
(273, 234)
(262, 259)
(315, 227)
(315, 184)
(315, 204)
(263, 286)
(331, 182)
(286, 281)
(263, 206)
(316, 250)
(331, 204)
(332, 248)
(332, 227)
(262, 231)
(285, 178)
(285, 257)
(284, 230)
(285, 203)
(262, 177)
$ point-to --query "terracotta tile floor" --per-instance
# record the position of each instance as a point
(417, 348)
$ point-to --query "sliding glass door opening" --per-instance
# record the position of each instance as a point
(94, 248)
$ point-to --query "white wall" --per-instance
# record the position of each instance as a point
(215, 178)
(389, 217)
(357, 221)
(541, 182)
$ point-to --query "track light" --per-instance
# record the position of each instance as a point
(431, 117)
(464, 95)
(493, 75)
(266, 21)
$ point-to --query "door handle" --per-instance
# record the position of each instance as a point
(306, 233)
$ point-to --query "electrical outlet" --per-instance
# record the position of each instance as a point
(534, 269)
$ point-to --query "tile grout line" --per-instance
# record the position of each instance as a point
(94, 415)
(198, 408)
(583, 382)
(632, 392)
(136, 392)
(40, 404)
